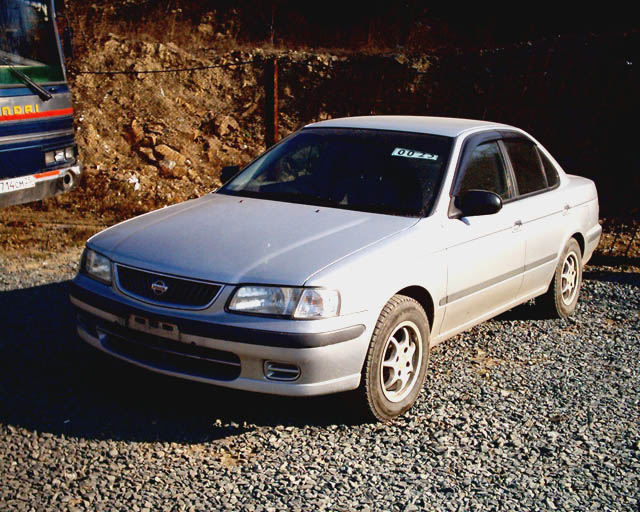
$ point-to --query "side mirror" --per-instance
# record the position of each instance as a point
(228, 172)
(478, 202)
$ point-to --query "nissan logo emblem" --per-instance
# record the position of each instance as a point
(159, 287)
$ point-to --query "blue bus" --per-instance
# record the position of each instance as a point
(38, 152)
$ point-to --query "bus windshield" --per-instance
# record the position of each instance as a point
(28, 43)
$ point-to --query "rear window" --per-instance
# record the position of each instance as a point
(550, 170)
(527, 167)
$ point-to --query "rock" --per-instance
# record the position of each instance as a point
(225, 125)
(148, 153)
(205, 29)
(111, 47)
(170, 154)
(137, 132)
(193, 176)
(157, 129)
(150, 139)
(170, 169)
(149, 169)
(252, 107)
(213, 146)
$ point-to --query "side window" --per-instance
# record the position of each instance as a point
(485, 171)
(527, 167)
(550, 170)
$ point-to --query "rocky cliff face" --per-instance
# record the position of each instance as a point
(150, 139)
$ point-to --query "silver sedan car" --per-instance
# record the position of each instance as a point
(337, 259)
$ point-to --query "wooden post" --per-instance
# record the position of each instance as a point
(271, 102)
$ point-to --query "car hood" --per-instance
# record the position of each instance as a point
(232, 239)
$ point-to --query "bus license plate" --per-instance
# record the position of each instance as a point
(13, 184)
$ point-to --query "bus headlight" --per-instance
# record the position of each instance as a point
(59, 156)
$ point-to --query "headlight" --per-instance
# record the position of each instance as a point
(306, 303)
(97, 266)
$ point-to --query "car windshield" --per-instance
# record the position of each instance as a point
(377, 171)
(28, 42)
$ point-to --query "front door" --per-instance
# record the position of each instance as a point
(485, 254)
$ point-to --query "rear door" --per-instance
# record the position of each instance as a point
(541, 209)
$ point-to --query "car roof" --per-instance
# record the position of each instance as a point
(445, 126)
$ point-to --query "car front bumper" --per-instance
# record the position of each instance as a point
(205, 348)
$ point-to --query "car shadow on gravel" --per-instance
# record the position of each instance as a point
(529, 311)
(632, 278)
(50, 381)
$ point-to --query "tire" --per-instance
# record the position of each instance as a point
(561, 299)
(399, 348)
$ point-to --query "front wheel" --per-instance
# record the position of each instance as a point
(396, 364)
(561, 299)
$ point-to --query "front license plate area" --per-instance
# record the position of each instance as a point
(155, 327)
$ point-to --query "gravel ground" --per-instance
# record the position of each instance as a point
(518, 414)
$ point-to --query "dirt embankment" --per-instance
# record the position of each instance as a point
(151, 139)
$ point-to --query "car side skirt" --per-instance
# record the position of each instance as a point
(490, 314)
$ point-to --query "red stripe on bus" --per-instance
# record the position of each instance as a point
(36, 115)
(46, 174)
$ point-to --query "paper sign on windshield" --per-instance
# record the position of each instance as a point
(412, 153)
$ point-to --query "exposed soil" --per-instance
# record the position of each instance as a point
(147, 140)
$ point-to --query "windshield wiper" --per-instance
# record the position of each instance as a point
(43, 93)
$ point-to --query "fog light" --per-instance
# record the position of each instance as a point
(281, 371)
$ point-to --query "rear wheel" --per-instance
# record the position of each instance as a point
(396, 363)
(561, 299)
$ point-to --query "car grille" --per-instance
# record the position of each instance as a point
(179, 292)
(174, 356)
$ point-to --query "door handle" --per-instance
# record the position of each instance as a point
(565, 209)
(517, 225)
